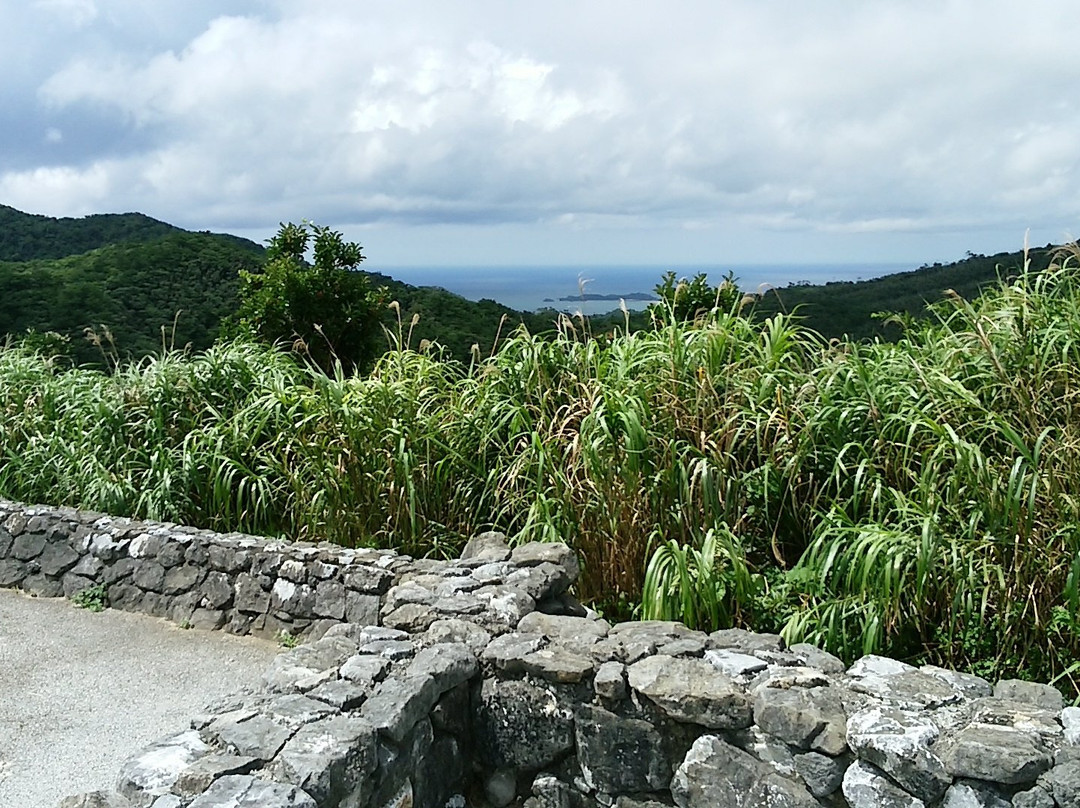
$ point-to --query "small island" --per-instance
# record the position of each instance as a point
(591, 296)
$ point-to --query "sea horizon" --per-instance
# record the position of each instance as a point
(528, 288)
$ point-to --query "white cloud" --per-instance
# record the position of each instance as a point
(835, 117)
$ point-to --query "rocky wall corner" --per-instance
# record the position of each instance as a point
(481, 682)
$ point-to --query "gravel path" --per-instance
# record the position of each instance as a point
(80, 692)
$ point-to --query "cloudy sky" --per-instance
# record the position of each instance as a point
(585, 132)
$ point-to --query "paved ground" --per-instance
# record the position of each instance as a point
(80, 692)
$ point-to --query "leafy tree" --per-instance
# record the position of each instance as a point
(685, 300)
(325, 309)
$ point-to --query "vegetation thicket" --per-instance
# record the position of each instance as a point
(915, 498)
(325, 308)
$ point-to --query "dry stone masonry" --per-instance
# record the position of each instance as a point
(481, 681)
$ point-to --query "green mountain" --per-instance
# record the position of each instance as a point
(28, 236)
(149, 284)
(848, 307)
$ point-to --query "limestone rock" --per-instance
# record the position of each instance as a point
(536, 553)
(996, 754)
(153, 771)
(822, 774)
(899, 744)
(520, 725)
(245, 791)
(486, 548)
(974, 794)
(1045, 697)
(328, 758)
(866, 786)
(610, 681)
(807, 718)
(398, 704)
(95, 799)
(1063, 783)
(814, 657)
(619, 754)
(557, 663)
(692, 691)
(715, 773)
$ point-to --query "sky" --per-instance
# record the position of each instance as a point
(505, 133)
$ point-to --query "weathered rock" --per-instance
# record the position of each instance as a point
(297, 600)
(507, 652)
(619, 754)
(27, 546)
(693, 691)
(148, 575)
(866, 786)
(557, 663)
(57, 558)
(816, 658)
(822, 774)
(486, 548)
(807, 718)
(580, 630)
(520, 725)
(398, 704)
(245, 791)
(154, 770)
(537, 553)
(248, 735)
(455, 630)
(743, 640)
(1063, 783)
(735, 663)
(974, 794)
(329, 758)
(715, 773)
(249, 596)
(181, 579)
(42, 586)
(500, 787)
(1033, 798)
(1045, 697)
(610, 681)
(294, 710)
(449, 664)
(997, 754)
(11, 572)
(201, 774)
(411, 617)
(899, 744)
(95, 799)
(899, 684)
(365, 670)
(966, 684)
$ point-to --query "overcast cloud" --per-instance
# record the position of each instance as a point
(512, 133)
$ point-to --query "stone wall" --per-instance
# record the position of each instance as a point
(480, 681)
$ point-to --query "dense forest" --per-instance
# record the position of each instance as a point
(118, 286)
(139, 285)
(848, 308)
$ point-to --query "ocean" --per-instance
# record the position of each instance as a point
(527, 288)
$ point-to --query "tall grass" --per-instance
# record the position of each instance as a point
(916, 498)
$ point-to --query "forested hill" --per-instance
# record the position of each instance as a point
(184, 283)
(28, 236)
(134, 276)
(848, 307)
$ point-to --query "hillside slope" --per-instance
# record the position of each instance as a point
(28, 236)
(847, 308)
